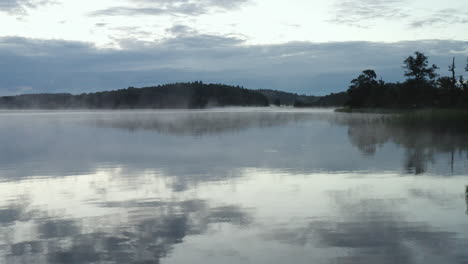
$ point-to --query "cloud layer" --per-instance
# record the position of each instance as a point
(169, 7)
(445, 17)
(20, 7)
(361, 13)
(367, 13)
(305, 67)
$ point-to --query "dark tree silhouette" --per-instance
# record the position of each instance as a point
(418, 69)
(277, 102)
(178, 95)
(361, 88)
(452, 70)
(286, 98)
(445, 83)
(419, 90)
(462, 83)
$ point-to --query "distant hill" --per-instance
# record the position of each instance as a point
(178, 95)
(285, 98)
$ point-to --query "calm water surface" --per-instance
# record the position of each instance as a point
(229, 186)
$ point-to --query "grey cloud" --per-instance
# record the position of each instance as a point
(187, 36)
(173, 7)
(221, 3)
(443, 17)
(20, 7)
(313, 68)
(360, 13)
(130, 32)
(129, 11)
(192, 5)
(201, 41)
(180, 30)
(26, 47)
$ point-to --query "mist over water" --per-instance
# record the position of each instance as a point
(248, 185)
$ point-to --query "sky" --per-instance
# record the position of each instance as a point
(304, 46)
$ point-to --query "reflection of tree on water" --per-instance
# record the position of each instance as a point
(466, 198)
(421, 144)
(201, 123)
(416, 160)
(366, 136)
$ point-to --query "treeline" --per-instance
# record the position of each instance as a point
(422, 88)
(285, 98)
(178, 95)
(280, 98)
(333, 99)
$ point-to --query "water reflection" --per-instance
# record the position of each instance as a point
(198, 123)
(367, 132)
(376, 231)
(146, 234)
(229, 186)
(421, 145)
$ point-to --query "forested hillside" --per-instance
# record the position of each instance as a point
(178, 95)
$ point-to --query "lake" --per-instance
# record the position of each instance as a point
(239, 185)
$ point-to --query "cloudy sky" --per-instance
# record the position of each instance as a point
(305, 46)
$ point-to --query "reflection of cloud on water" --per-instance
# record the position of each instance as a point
(375, 230)
(58, 229)
(147, 235)
(136, 196)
